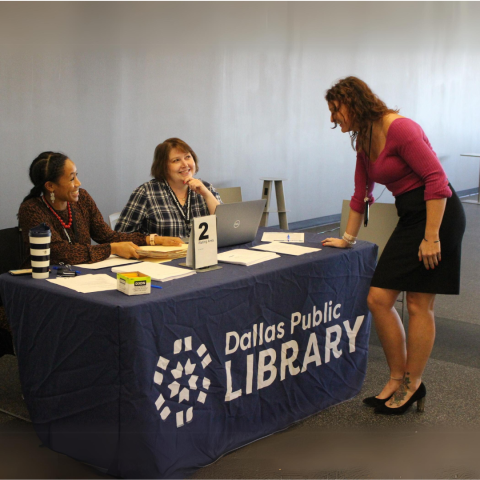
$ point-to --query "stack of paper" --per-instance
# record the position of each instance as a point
(111, 261)
(245, 257)
(162, 251)
(87, 283)
(286, 248)
(162, 273)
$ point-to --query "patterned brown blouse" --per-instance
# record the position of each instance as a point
(88, 224)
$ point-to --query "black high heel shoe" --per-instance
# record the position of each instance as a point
(378, 402)
(375, 402)
(418, 396)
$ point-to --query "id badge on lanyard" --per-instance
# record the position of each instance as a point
(366, 212)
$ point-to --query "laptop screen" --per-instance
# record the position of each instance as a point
(238, 223)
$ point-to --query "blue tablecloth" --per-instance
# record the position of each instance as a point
(157, 385)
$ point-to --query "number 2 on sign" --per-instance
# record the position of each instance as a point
(203, 235)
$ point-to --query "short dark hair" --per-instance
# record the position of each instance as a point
(47, 167)
(162, 154)
(364, 107)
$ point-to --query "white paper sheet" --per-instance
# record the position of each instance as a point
(111, 261)
(286, 248)
(242, 256)
(154, 260)
(87, 283)
(283, 237)
(162, 273)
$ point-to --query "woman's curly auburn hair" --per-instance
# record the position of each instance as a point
(364, 107)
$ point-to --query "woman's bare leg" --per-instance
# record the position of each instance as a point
(421, 336)
(391, 334)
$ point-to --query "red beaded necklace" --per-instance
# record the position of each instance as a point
(64, 225)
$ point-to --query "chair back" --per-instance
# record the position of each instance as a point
(11, 249)
(113, 219)
(230, 194)
(382, 222)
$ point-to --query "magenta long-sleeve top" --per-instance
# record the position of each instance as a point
(407, 162)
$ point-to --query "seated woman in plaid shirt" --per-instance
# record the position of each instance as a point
(166, 204)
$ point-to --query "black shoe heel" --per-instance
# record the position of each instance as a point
(418, 396)
(421, 405)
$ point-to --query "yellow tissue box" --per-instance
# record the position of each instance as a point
(134, 283)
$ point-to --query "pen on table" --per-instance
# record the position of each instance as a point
(157, 286)
(54, 267)
(61, 268)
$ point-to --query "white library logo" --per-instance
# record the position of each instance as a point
(184, 383)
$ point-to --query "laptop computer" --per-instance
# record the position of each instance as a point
(238, 222)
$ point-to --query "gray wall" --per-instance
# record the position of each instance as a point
(242, 83)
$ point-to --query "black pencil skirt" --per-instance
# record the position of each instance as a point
(399, 267)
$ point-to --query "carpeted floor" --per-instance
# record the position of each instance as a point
(345, 441)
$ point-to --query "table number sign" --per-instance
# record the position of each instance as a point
(202, 247)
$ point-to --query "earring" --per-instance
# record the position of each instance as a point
(52, 197)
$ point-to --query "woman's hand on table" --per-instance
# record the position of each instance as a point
(169, 241)
(335, 242)
(166, 241)
(125, 249)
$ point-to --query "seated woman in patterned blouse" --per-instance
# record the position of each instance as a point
(166, 204)
(74, 220)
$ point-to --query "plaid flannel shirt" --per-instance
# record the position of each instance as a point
(151, 209)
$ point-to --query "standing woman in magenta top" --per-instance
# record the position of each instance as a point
(422, 257)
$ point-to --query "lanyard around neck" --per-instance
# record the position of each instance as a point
(368, 161)
(367, 201)
(186, 215)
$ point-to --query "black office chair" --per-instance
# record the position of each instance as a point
(11, 257)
